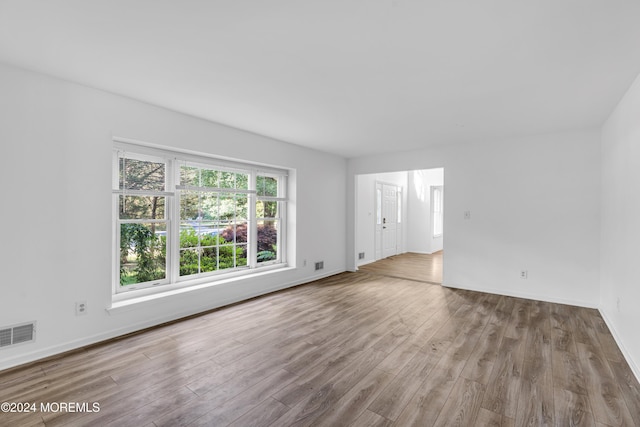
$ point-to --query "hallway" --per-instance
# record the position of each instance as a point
(409, 266)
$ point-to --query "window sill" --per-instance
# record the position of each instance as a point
(127, 301)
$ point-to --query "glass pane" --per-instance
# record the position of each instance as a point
(142, 207)
(189, 175)
(242, 181)
(208, 259)
(199, 205)
(198, 233)
(209, 206)
(241, 261)
(242, 206)
(189, 205)
(189, 262)
(241, 232)
(266, 209)
(228, 256)
(141, 175)
(234, 233)
(267, 186)
(209, 178)
(227, 206)
(227, 180)
(188, 236)
(260, 185)
(267, 240)
(143, 253)
(233, 180)
(208, 232)
(437, 210)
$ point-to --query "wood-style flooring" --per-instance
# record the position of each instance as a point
(410, 265)
(357, 349)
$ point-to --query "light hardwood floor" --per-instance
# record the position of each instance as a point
(357, 349)
(411, 266)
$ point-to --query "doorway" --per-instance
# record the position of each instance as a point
(396, 214)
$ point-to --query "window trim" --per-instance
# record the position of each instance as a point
(439, 213)
(173, 157)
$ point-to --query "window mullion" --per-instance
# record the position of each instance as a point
(126, 192)
(116, 245)
(115, 223)
(172, 213)
(252, 227)
(214, 189)
(282, 218)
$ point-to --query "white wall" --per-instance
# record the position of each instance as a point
(420, 237)
(534, 205)
(366, 217)
(56, 212)
(366, 213)
(620, 292)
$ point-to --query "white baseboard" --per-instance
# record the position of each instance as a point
(371, 261)
(524, 295)
(625, 353)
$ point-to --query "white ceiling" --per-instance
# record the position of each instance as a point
(352, 77)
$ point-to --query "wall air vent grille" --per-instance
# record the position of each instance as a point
(17, 334)
(5, 337)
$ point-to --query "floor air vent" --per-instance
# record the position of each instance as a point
(17, 334)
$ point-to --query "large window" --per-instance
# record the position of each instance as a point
(179, 217)
(437, 210)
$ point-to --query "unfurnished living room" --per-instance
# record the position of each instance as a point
(359, 213)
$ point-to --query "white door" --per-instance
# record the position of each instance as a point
(387, 227)
(378, 236)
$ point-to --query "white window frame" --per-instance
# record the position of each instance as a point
(437, 210)
(116, 191)
(173, 160)
(281, 199)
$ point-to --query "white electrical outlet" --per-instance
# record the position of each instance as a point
(523, 274)
(81, 308)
